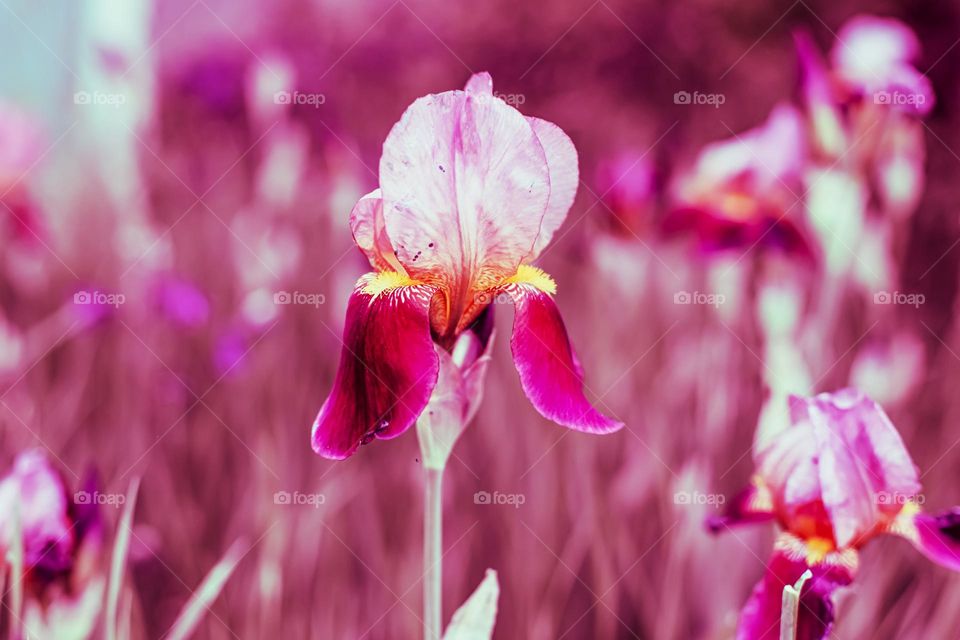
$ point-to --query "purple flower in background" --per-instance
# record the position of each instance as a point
(875, 58)
(54, 524)
(61, 540)
(627, 185)
(837, 477)
(471, 192)
(744, 191)
(181, 301)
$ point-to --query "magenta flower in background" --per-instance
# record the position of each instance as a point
(838, 476)
(35, 489)
(180, 301)
(61, 539)
(471, 192)
(21, 148)
(744, 191)
(628, 186)
(875, 58)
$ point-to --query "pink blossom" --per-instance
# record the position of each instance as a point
(745, 190)
(837, 477)
(471, 192)
(875, 57)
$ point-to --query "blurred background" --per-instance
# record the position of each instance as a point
(176, 178)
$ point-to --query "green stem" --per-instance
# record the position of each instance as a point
(432, 558)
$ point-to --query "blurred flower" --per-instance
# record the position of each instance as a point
(863, 107)
(889, 371)
(874, 57)
(21, 148)
(61, 536)
(470, 193)
(181, 301)
(11, 347)
(627, 184)
(836, 478)
(741, 192)
(20, 144)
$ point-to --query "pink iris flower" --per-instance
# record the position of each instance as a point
(875, 58)
(471, 192)
(54, 526)
(834, 479)
(743, 191)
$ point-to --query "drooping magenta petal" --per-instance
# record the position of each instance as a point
(465, 186)
(549, 372)
(388, 368)
(935, 536)
(760, 616)
(564, 179)
(753, 504)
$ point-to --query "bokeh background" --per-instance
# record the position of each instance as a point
(159, 201)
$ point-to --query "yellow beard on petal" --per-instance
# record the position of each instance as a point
(533, 276)
(903, 524)
(387, 281)
(817, 549)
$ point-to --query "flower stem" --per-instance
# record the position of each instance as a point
(432, 558)
(790, 607)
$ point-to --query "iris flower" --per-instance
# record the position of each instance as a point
(834, 479)
(875, 58)
(61, 536)
(471, 192)
(743, 191)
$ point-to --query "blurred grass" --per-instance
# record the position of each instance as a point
(598, 549)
